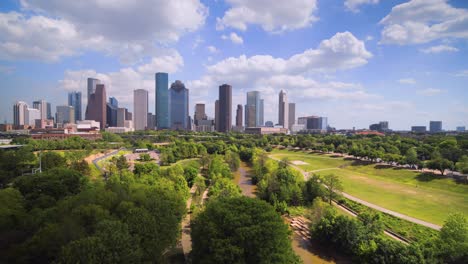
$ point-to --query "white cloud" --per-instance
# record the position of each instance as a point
(212, 49)
(129, 29)
(272, 16)
(439, 49)
(462, 73)
(353, 5)
(236, 39)
(422, 21)
(168, 63)
(430, 92)
(407, 81)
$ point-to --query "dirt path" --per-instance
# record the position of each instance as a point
(186, 238)
(371, 205)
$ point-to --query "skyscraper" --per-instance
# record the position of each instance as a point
(140, 109)
(217, 115)
(19, 113)
(239, 116)
(179, 105)
(253, 110)
(283, 108)
(65, 114)
(435, 126)
(225, 108)
(151, 121)
(97, 105)
(121, 116)
(49, 111)
(92, 83)
(74, 99)
(200, 113)
(261, 122)
(291, 115)
(41, 105)
(162, 100)
(31, 115)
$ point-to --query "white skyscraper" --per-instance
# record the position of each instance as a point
(283, 110)
(19, 113)
(140, 109)
(41, 105)
(65, 114)
(31, 115)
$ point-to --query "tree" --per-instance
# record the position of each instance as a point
(440, 164)
(411, 157)
(122, 163)
(232, 159)
(145, 157)
(241, 230)
(224, 188)
(312, 189)
(81, 166)
(51, 160)
(453, 239)
(333, 185)
(462, 165)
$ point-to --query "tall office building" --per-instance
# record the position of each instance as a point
(113, 101)
(151, 121)
(65, 114)
(179, 105)
(261, 121)
(225, 108)
(111, 114)
(435, 126)
(162, 100)
(291, 115)
(253, 110)
(92, 84)
(49, 111)
(283, 109)
(19, 114)
(200, 113)
(121, 116)
(217, 115)
(74, 99)
(41, 105)
(314, 123)
(97, 106)
(140, 109)
(31, 115)
(239, 116)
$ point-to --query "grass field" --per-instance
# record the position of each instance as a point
(424, 196)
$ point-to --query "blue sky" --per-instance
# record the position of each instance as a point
(355, 61)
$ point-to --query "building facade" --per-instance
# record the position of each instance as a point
(179, 105)
(225, 108)
(65, 114)
(91, 89)
(41, 105)
(291, 115)
(283, 109)
(19, 114)
(200, 113)
(435, 126)
(97, 106)
(162, 100)
(140, 109)
(418, 129)
(217, 115)
(239, 116)
(253, 110)
(74, 99)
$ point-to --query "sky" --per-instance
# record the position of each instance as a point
(356, 62)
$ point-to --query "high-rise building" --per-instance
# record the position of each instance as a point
(291, 115)
(254, 110)
(200, 113)
(140, 109)
(74, 99)
(49, 111)
(163, 118)
(239, 116)
(41, 105)
(225, 108)
(179, 105)
(65, 114)
(261, 120)
(92, 84)
(151, 121)
(418, 129)
(19, 114)
(283, 109)
(97, 106)
(383, 125)
(313, 123)
(435, 126)
(111, 114)
(217, 115)
(121, 116)
(31, 115)
(113, 101)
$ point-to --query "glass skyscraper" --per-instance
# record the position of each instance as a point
(162, 100)
(254, 110)
(179, 105)
(74, 99)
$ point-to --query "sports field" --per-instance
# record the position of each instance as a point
(423, 196)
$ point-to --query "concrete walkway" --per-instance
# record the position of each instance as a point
(371, 205)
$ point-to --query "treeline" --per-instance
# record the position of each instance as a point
(60, 216)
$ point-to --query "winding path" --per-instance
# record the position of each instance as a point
(368, 204)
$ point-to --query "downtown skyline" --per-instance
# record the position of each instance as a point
(351, 69)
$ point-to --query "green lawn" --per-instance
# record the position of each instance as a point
(426, 197)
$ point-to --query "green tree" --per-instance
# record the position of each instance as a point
(224, 188)
(453, 239)
(232, 159)
(333, 185)
(145, 157)
(462, 165)
(439, 164)
(122, 163)
(241, 230)
(51, 160)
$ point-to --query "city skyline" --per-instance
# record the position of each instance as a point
(341, 59)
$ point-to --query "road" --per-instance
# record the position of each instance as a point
(95, 161)
(371, 205)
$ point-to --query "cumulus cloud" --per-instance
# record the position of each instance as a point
(272, 16)
(407, 81)
(439, 49)
(212, 49)
(353, 5)
(422, 21)
(430, 91)
(236, 39)
(129, 29)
